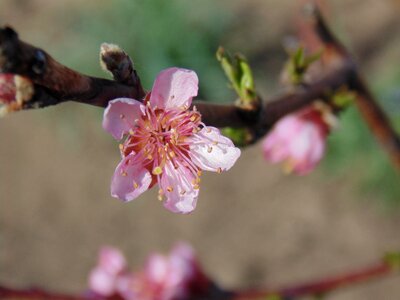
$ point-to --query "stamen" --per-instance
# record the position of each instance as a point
(215, 143)
(121, 147)
(157, 170)
(160, 194)
(219, 170)
(183, 192)
(124, 174)
(170, 188)
(209, 149)
(135, 185)
(208, 130)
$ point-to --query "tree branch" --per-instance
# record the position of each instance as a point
(55, 83)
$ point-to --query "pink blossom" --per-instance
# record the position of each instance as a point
(166, 143)
(173, 277)
(110, 274)
(299, 140)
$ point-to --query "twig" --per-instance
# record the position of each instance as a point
(55, 83)
(34, 294)
(320, 287)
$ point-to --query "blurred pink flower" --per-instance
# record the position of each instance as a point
(173, 277)
(109, 276)
(299, 140)
(166, 143)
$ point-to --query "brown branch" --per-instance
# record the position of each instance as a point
(55, 83)
(34, 294)
(320, 287)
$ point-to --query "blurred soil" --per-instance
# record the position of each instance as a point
(253, 225)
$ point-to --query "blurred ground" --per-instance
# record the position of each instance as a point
(253, 226)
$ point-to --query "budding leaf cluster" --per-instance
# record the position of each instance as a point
(299, 63)
(240, 76)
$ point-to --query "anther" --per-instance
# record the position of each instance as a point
(157, 170)
(219, 170)
(135, 185)
(209, 149)
(208, 130)
(124, 174)
(121, 147)
(170, 188)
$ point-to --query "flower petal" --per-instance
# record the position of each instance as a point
(174, 88)
(112, 260)
(130, 179)
(212, 151)
(102, 282)
(120, 116)
(181, 196)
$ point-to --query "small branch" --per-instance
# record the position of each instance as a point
(34, 294)
(321, 287)
(55, 83)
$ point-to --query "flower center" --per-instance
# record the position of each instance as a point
(160, 137)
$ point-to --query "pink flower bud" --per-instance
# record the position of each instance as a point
(7, 88)
(299, 140)
(14, 91)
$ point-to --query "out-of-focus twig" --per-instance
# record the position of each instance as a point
(320, 287)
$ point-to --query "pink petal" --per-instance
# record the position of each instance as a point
(182, 198)
(212, 151)
(112, 260)
(130, 179)
(174, 88)
(120, 116)
(102, 282)
(156, 269)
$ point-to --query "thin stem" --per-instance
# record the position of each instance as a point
(320, 287)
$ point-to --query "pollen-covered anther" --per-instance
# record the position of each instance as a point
(124, 174)
(121, 147)
(196, 187)
(170, 188)
(131, 132)
(199, 172)
(215, 143)
(157, 170)
(219, 170)
(160, 194)
(209, 149)
(135, 185)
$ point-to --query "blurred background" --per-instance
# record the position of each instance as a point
(253, 226)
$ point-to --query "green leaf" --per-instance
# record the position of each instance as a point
(240, 76)
(393, 260)
(239, 136)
